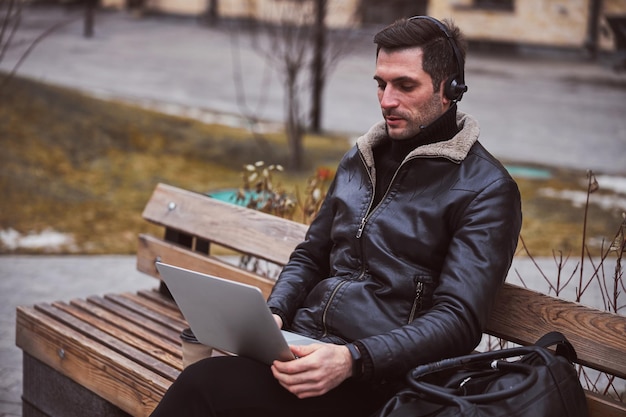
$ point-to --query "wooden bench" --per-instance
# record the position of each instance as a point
(116, 354)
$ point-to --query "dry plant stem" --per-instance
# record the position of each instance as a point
(596, 276)
(560, 267)
(592, 186)
(532, 258)
(610, 296)
(597, 382)
(619, 244)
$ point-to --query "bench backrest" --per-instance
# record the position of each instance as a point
(195, 224)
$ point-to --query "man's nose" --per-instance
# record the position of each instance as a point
(388, 98)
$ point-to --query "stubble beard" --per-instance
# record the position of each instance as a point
(415, 123)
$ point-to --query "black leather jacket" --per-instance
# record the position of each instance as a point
(414, 280)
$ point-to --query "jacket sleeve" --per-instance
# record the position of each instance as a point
(480, 253)
(308, 264)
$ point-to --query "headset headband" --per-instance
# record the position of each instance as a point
(456, 87)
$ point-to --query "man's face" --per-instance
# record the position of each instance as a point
(405, 92)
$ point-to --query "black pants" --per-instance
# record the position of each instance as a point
(234, 386)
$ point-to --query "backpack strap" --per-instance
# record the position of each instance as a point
(563, 346)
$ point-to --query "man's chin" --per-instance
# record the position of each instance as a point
(397, 133)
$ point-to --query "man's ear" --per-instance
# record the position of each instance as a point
(444, 99)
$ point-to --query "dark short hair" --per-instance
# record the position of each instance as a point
(439, 60)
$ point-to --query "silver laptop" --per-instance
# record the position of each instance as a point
(229, 316)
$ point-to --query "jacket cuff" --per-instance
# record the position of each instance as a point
(282, 316)
(368, 363)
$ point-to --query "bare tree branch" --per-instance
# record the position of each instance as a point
(10, 22)
(8, 18)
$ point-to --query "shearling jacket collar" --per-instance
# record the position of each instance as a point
(455, 149)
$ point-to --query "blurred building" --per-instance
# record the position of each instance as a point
(578, 25)
(563, 24)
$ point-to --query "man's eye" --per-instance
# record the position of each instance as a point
(381, 86)
(407, 87)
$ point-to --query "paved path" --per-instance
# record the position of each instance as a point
(561, 113)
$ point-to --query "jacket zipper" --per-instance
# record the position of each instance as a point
(330, 300)
(332, 296)
(419, 290)
(359, 232)
(369, 212)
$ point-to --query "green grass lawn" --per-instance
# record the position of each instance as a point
(86, 167)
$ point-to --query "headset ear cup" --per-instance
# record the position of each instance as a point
(450, 88)
(453, 89)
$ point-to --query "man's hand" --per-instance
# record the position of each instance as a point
(278, 320)
(318, 369)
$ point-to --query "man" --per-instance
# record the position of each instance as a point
(402, 263)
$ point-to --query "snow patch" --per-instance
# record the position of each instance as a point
(616, 185)
(46, 239)
(579, 198)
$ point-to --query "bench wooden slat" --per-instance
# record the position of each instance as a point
(522, 316)
(158, 298)
(115, 377)
(151, 249)
(226, 224)
(111, 342)
(175, 324)
(149, 305)
(133, 318)
(116, 325)
(601, 406)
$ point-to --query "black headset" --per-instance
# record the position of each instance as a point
(455, 85)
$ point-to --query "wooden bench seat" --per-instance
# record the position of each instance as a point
(116, 355)
(125, 347)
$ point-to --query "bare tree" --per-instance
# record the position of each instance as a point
(90, 10)
(327, 52)
(317, 69)
(10, 19)
(213, 11)
(291, 37)
(284, 41)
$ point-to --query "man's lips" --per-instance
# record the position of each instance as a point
(393, 120)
